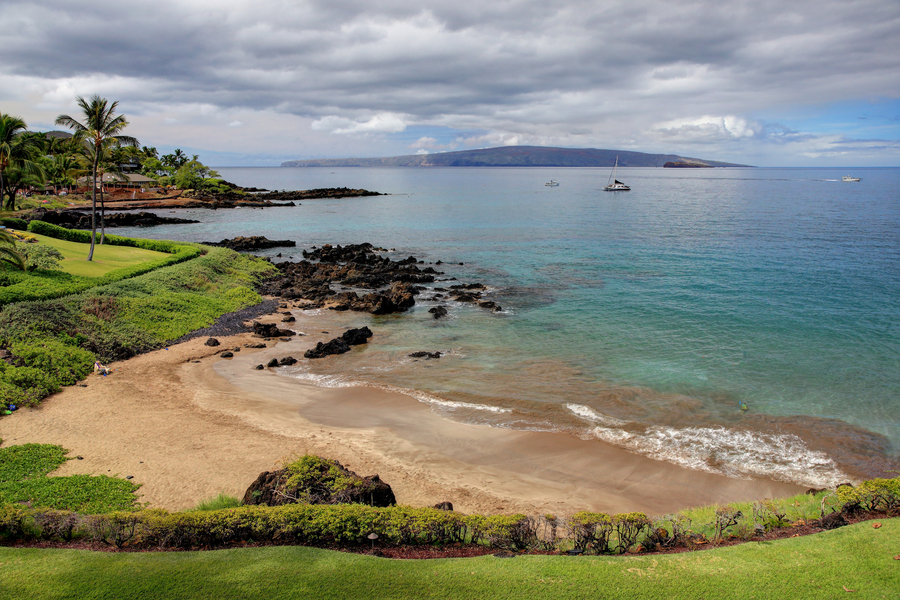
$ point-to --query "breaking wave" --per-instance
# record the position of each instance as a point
(731, 452)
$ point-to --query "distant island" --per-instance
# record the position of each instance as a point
(519, 156)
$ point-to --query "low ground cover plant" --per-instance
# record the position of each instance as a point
(24, 483)
(54, 326)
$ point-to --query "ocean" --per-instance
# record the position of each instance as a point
(734, 321)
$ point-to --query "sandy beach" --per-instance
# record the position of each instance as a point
(188, 424)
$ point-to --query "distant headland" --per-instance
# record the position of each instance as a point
(519, 156)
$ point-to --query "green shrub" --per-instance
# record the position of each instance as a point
(25, 386)
(27, 461)
(15, 521)
(872, 495)
(117, 319)
(218, 503)
(23, 478)
(115, 528)
(14, 223)
(590, 531)
(317, 479)
(40, 256)
(64, 363)
(58, 524)
(507, 532)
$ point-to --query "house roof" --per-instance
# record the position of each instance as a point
(136, 178)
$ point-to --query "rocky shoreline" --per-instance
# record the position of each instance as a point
(365, 282)
(78, 217)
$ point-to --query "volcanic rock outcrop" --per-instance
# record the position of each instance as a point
(316, 480)
(392, 283)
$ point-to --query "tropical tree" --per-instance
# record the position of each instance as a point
(176, 160)
(108, 163)
(62, 169)
(8, 253)
(101, 127)
(18, 150)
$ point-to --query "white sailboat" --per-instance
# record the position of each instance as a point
(614, 185)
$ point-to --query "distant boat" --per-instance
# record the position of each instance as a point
(848, 178)
(552, 183)
(614, 185)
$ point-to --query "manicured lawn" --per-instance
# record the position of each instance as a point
(106, 258)
(855, 561)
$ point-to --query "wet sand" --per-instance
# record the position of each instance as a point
(188, 424)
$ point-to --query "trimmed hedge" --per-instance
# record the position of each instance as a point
(872, 495)
(84, 237)
(14, 223)
(294, 524)
(50, 285)
(351, 524)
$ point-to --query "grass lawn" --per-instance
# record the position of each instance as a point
(855, 561)
(106, 258)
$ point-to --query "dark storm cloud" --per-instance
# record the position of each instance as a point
(574, 72)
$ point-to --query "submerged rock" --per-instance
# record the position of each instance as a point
(340, 345)
(270, 330)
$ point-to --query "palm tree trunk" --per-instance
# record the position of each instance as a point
(102, 214)
(93, 215)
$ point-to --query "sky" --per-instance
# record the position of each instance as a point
(255, 83)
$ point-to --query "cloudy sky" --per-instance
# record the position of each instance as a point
(762, 82)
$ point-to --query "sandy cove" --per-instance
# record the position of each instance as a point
(188, 424)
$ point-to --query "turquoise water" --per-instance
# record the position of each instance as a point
(643, 318)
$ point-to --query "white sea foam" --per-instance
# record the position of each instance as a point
(739, 454)
(591, 415)
(437, 402)
(325, 381)
(733, 453)
(337, 381)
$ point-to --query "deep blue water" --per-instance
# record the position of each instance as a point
(644, 318)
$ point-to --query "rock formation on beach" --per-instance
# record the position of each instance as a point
(316, 480)
(382, 286)
(357, 265)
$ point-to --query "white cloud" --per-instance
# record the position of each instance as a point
(707, 129)
(381, 123)
(235, 123)
(321, 77)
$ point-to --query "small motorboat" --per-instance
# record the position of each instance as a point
(848, 178)
(552, 183)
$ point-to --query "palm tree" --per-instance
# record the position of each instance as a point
(101, 127)
(106, 163)
(8, 253)
(64, 165)
(17, 150)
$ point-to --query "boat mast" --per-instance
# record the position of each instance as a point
(613, 174)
